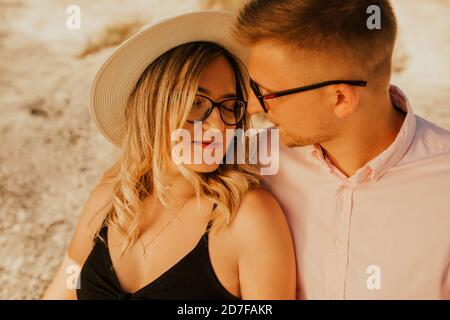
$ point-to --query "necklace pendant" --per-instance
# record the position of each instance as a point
(143, 256)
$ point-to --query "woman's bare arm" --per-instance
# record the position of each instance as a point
(64, 283)
(266, 258)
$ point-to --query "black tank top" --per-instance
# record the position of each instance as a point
(191, 278)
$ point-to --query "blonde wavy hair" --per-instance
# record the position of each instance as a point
(159, 104)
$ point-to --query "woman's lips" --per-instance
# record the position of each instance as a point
(204, 144)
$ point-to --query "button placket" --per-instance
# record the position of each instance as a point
(339, 242)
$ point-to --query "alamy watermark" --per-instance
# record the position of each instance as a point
(73, 21)
(374, 280)
(374, 21)
(73, 277)
(207, 147)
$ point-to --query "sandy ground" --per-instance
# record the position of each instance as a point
(51, 154)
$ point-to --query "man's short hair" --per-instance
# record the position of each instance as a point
(335, 28)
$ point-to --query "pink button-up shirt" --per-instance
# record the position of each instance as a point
(383, 233)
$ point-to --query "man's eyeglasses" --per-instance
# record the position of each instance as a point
(231, 111)
(262, 97)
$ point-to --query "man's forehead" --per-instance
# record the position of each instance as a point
(271, 63)
(265, 59)
(268, 49)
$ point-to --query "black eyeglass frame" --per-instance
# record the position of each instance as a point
(220, 105)
(262, 97)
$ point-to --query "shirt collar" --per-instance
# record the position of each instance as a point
(378, 166)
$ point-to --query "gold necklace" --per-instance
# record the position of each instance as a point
(144, 246)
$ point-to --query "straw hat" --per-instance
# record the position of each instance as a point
(118, 76)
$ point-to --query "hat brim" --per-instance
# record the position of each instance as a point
(118, 76)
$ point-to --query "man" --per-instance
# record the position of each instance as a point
(364, 182)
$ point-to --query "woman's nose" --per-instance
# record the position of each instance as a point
(214, 121)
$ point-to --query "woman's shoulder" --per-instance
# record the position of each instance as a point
(91, 218)
(259, 204)
(263, 243)
(97, 206)
(258, 218)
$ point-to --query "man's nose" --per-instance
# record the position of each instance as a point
(253, 105)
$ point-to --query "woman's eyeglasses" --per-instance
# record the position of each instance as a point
(231, 111)
(262, 97)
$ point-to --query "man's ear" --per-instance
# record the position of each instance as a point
(345, 99)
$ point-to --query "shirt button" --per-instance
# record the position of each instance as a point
(337, 243)
(315, 153)
(333, 295)
(366, 175)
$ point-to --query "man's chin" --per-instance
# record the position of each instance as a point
(290, 141)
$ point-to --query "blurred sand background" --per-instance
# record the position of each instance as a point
(51, 154)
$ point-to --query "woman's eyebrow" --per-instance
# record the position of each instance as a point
(226, 96)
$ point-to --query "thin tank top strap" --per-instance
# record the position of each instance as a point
(208, 227)
(103, 230)
(210, 222)
(102, 233)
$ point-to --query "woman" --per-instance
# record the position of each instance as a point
(156, 229)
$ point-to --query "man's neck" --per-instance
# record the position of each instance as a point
(366, 140)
